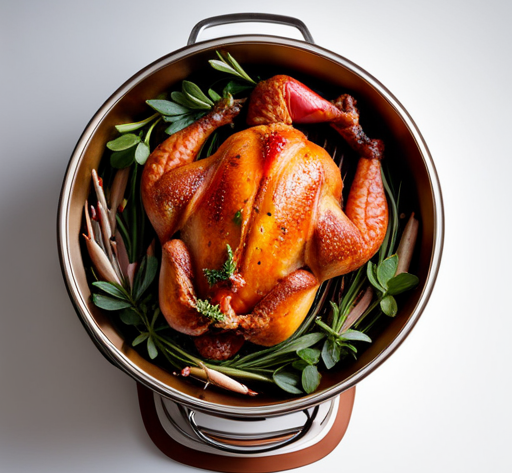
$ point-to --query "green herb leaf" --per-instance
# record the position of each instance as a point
(130, 317)
(331, 352)
(213, 276)
(142, 153)
(402, 282)
(176, 118)
(111, 288)
(213, 144)
(386, 270)
(145, 275)
(209, 310)
(123, 142)
(188, 101)
(335, 313)
(370, 273)
(238, 68)
(180, 125)
(181, 99)
(122, 159)
(234, 87)
(287, 380)
(300, 343)
(299, 365)
(214, 95)
(310, 379)
(194, 92)
(237, 219)
(222, 67)
(152, 351)
(389, 306)
(230, 66)
(156, 313)
(166, 107)
(138, 340)
(109, 303)
(310, 355)
(128, 127)
(354, 335)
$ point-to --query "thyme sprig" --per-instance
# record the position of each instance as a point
(213, 276)
(209, 310)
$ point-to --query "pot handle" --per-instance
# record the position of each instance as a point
(250, 444)
(249, 17)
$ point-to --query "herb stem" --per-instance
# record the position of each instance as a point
(127, 127)
(148, 134)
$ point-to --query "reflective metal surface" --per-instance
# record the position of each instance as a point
(405, 147)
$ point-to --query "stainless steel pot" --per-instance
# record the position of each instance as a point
(406, 148)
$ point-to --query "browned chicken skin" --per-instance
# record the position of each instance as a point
(292, 234)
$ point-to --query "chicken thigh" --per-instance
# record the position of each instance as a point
(269, 201)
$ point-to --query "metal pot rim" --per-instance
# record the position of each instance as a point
(118, 358)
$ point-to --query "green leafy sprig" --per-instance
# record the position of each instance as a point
(209, 310)
(229, 65)
(213, 276)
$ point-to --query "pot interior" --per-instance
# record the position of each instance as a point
(380, 116)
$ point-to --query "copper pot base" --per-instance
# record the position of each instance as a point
(248, 464)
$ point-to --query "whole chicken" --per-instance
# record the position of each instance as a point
(267, 205)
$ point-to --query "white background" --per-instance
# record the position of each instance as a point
(441, 403)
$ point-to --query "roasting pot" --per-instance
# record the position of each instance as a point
(404, 144)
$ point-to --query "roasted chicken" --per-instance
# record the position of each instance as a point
(272, 198)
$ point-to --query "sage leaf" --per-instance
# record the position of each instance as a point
(179, 125)
(166, 107)
(109, 303)
(238, 68)
(152, 351)
(138, 340)
(402, 282)
(192, 90)
(370, 273)
(214, 95)
(142, 153)
(130, 317)
(287, 381)
(181, 99)
(127, 127)
(111, 289)
(145, 275)
(355, 335)
(175, 118)
(234, 87)
(123, 142)
(331, 353)
(310, 378)
(300, 343)
(386, 270)
(222, 67)
(198, 104)
(122, 159)
(189, 102)
(389, 306)
(299, 365)
(310, 355)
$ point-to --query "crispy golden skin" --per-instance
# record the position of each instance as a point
(292, 233)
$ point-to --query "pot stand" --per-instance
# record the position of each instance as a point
(245, 445)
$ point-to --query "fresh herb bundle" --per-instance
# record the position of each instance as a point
(129, 289)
